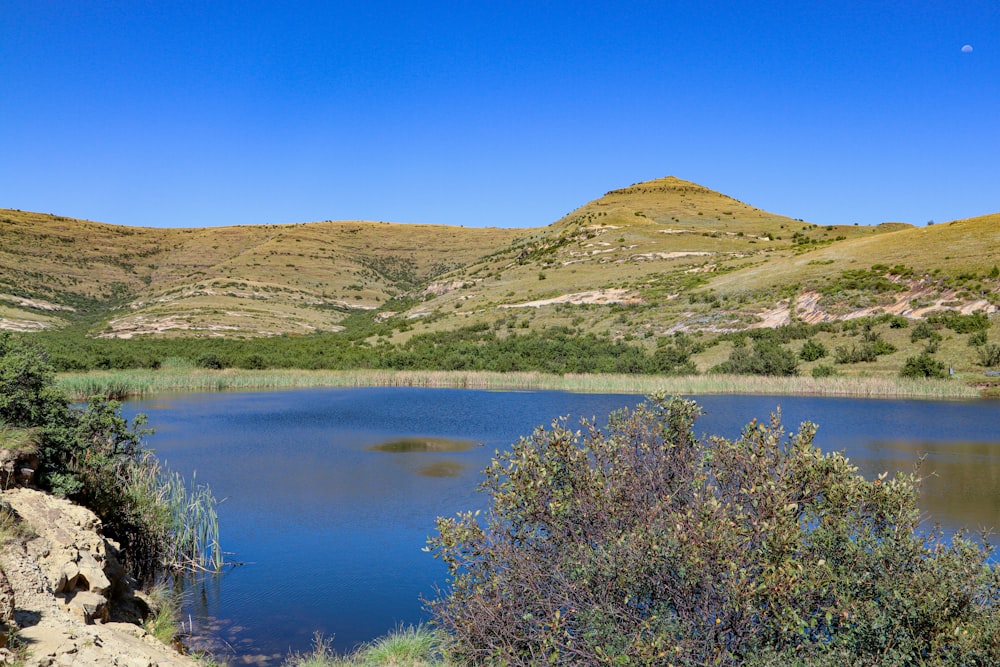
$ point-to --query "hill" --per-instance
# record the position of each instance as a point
(639, 264)
(245, 280)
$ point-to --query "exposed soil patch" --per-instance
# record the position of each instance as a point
(594, 297)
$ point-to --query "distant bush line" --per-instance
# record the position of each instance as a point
(556, 350)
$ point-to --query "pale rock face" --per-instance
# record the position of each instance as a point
(70, 549)
(17, 468)
(58, 585)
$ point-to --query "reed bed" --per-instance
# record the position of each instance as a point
(186, 515)
(138, 383)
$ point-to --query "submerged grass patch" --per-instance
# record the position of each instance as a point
(442, 469)
(405, 445)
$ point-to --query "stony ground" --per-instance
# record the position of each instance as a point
(53, 633)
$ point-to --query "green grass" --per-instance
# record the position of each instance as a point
(164, 618)
(120, 384)
(410, 646)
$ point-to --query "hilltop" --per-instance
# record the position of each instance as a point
(638, 264)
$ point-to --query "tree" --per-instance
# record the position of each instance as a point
(642, 544)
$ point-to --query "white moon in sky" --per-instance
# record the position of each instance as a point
(967, 48)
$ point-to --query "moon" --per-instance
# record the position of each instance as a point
(967, 48)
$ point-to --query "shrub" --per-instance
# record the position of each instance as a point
(823, 371)
(812, 350)
(923, 366)
(211, 361)
(768, 357)
(94, 456)
(989, 355)
(641, 544)
(854, 354)
(959, 323)
(923, 330)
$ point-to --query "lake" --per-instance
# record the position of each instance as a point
(330, 494)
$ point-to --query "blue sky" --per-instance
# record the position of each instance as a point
(487, 113)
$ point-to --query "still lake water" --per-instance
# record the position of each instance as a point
(330, 528)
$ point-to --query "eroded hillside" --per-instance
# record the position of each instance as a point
(640, 262)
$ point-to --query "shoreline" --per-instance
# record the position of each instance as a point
(143, 383)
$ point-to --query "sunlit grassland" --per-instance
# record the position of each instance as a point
(136, 383)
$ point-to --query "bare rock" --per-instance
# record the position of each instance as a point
(61, 580)
(70, 549)
(17, 468)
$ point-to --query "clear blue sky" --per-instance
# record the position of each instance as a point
(478, 113)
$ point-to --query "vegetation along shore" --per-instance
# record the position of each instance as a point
(139, 383)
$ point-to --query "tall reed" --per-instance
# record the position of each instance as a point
(186, 514)
(121, 384)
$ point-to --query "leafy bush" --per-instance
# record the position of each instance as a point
(812, 350)
(768, 357)
(95, 457)
(210, 361)
(923, 366)
(989, 355)
(923, 330)
(641, 544)
(854, 354)
(823, 371)
(978, 321)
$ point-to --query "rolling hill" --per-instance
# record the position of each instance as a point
(639, 262)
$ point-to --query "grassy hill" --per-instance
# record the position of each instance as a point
(639, 265)
(244, 280)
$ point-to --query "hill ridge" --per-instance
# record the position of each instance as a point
(678, 255)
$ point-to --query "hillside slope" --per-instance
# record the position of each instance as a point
(640, 262)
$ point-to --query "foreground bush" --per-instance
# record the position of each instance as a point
(643, 544)
(95, 456)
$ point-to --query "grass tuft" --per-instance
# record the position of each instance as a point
(409, 646)
(164, 619)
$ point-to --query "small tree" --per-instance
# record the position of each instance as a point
(812, 350)
(923, 366)
(768, 357)
(641, 544)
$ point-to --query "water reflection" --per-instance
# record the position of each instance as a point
(960, 478)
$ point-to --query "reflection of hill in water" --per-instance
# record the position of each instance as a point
(960, 478)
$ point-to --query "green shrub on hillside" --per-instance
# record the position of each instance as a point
(989, 355)
(923, 365)
(642, 544)
(812, 350)
(978, 321)
(924, 331)
(767, 357)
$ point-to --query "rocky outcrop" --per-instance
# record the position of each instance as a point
(67, 587)
(17, 468)
(78, 562)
